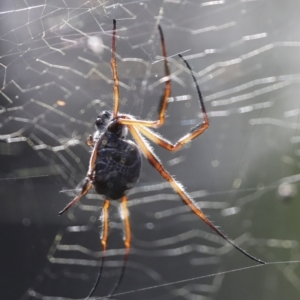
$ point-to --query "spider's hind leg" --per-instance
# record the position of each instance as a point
(104, 237)
(180, 191)
(127, 242)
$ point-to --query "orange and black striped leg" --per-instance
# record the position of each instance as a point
(180, 191)
(89, 178)
(85, 188)
(115, 73)
(127, 241)
(153, 136)
(164, 99)
(194, 132)
(167, 92)
(104, 236)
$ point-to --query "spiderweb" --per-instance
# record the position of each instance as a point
(243, 172)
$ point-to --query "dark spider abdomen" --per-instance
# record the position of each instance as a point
(118, 167)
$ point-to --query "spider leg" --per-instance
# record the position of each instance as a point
(85, 188)
(164, 99)
(180, 191)
(113, 63)
(156, 138)
(167, 92)
(89, 178)
(127, 243)
(104, 236)
(194, 132)
(90, 141)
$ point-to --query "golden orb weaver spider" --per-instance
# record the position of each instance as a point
(115, 162)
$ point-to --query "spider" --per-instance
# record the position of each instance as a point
(115, 163)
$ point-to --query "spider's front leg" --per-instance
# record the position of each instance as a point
(163, 104)
(156, 138)
(194, 132)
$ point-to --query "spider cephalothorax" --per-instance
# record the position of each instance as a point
(115, 162)
(102, 120)
(106, 122)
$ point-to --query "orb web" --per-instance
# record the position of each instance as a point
(243, 172)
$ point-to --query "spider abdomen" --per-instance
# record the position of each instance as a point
(118, 167)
